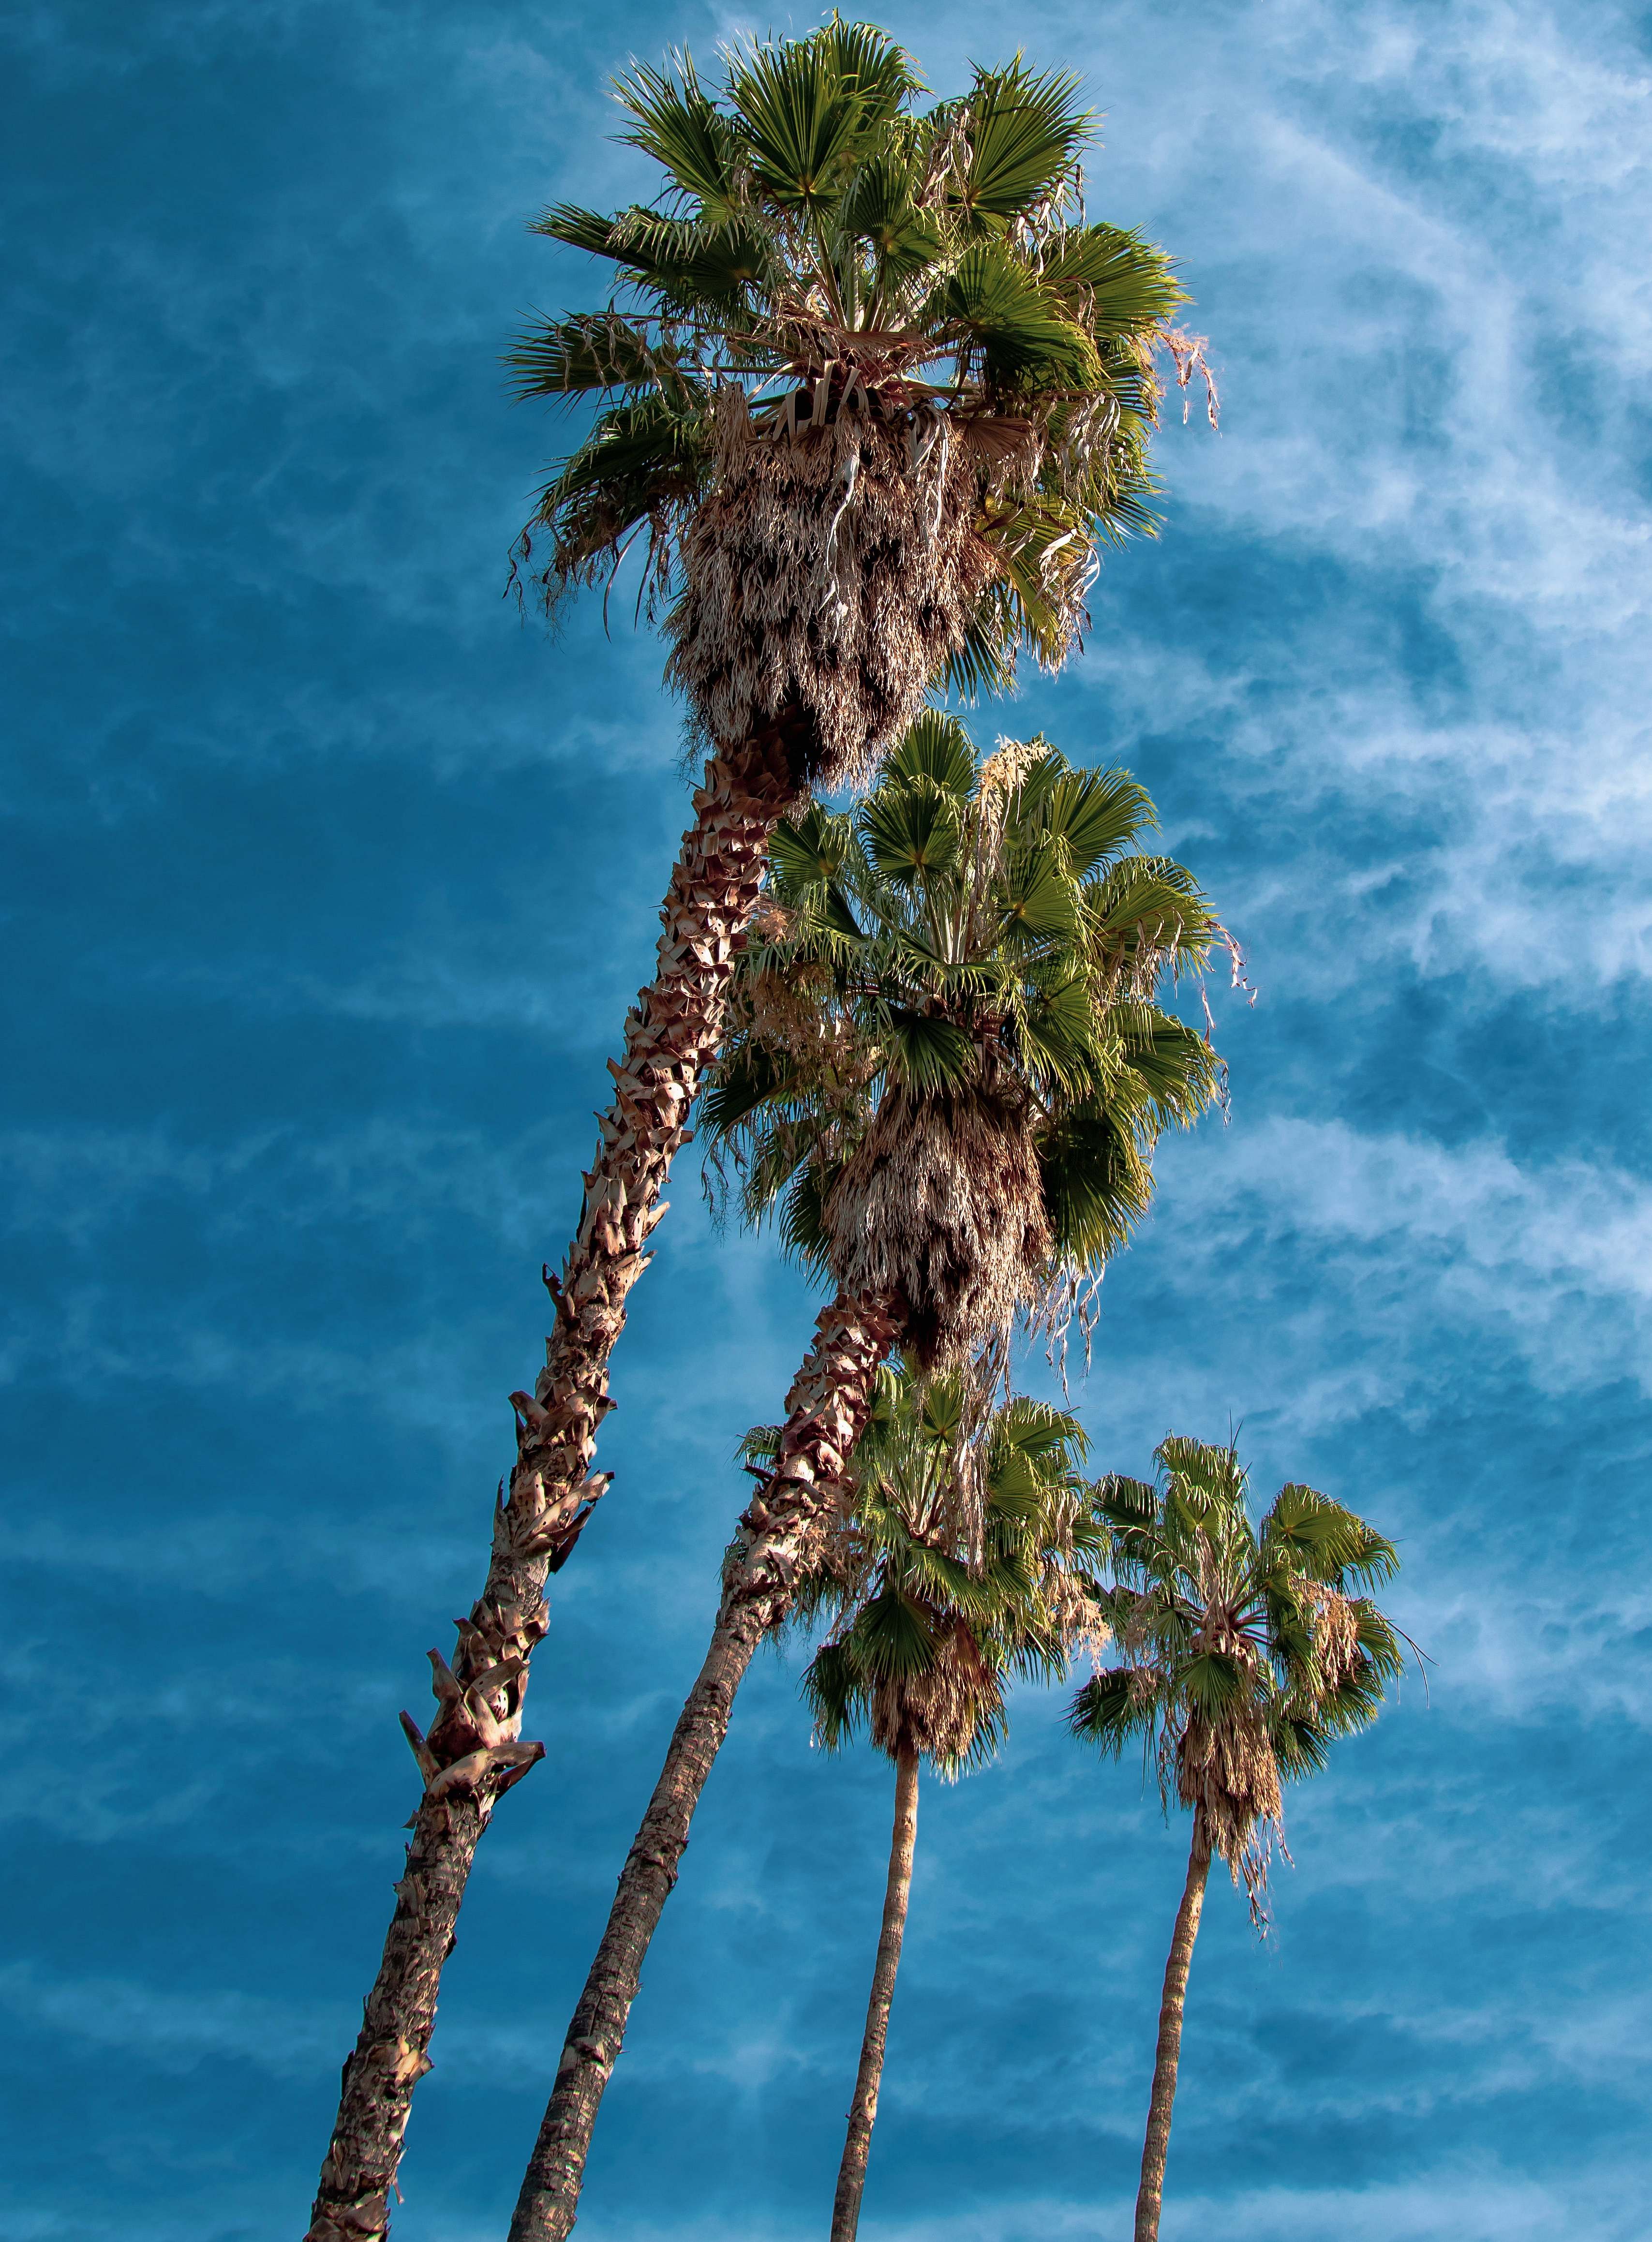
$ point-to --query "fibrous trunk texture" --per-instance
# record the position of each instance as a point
(826, 1411)
(858, 2142)
(1150, 2198)
(474, 1752)
(836, 565)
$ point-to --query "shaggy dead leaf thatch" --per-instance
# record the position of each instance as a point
(836, 570)
(939, 1712)
(1336, 1633)
(941, 1204)
(1227, 1768)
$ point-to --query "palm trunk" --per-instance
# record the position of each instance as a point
(826, 1410)
(474, 1751)
(857, 2143)
(1150, 2198)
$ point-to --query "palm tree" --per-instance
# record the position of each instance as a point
(875, 391)
(932, 1601)
(1246, 1652)
(947, 1067)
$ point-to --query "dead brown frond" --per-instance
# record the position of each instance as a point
(938, 1713)
(1187, 354)
(1226, 1768)
(771, 923)
(788, 1010)
(1075, 1617)
(942, 1205)
(1073, 1298)
(1336, 1634)
(1002, 774)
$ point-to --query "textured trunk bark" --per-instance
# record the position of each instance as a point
(857, 2143)
(826, 1410)
(1150, 2198)
(474, 1751)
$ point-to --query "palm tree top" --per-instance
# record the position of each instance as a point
(957, 1555)
(825, 245)
(1247, 1646)
(947, 1050)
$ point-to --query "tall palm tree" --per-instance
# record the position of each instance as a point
(932, 1601)
(947, 1067)
(875, 391)
(1246, 1651)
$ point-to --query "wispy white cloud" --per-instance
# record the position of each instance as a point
(76, 1183)
(1460, 2205)
(1414, 1247)
(1429, 300)
(171, 2030)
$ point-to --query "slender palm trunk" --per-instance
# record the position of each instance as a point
(1150, 2198)
(474, 1751)
(857, 2143)
(826, 1410)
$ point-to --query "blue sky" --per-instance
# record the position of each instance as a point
(327, 882)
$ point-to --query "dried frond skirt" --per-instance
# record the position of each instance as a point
(835, 571)
(937, 1711)
(942, 1203)
(1228, 1768)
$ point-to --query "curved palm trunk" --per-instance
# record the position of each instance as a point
(857, 2143)
(474, 1752)
(1150, 2198)
(826, 1410)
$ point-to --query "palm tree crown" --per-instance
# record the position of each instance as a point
(1247, 1648)
(938, 1581)
(947, 1064)
(870, 381)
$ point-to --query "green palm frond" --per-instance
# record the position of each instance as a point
(937, 749)
(801, 121)
(1116, 1707)
(677, 124)
(1026, 133)
(598, 350)
(911, 832)
(1096, 1183)
(925, 1053)
(1121, 280)
(995, 303)
(1095, 815)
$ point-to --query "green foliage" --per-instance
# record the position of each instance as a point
(814, 220)
(955, 1558)
(972, 931)
(1254, 1641)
